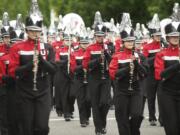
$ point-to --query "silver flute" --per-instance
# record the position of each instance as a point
(36, 62)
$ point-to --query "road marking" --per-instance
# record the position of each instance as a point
(77, 119)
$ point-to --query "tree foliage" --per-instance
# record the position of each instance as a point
(140, 10)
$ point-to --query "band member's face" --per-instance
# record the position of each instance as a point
(84, 46)
(6, 40)
(50, 40)
(33, 34)
(138, 46)
(100, 39)
(157, 38)
(174, 40)
(129, 44)
(67, 42)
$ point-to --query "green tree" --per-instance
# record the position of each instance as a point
(141, 11)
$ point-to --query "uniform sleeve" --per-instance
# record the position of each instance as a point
(158, 65)
(57, 55)
(86, 58)
(113, 67)
(49, 64)
(117, 45)
(14, 60)
(2, 70)
(72, 63)
(145, 51)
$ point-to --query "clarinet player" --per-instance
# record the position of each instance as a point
(33, 65)
(126, 68)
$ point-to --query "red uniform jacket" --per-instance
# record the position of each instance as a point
(2, 71)
(149, 50)
(76, 59)
(22, 54)
(118, 45)
(120, 64)
(3, 49)
(165, 59)
(57, 44)
(92, 61)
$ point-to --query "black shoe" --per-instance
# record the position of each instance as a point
(59, 114)
(103, 131)
(87, 122)
(161, 123)
(83, 125)
(98, 133)
(67, 119)
(153, 123)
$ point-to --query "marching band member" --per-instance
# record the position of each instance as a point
(126, 68)
(95, 62)
(5, 80)
(16, 35)
(149, 51)
(80, 82)
(33, 65)
(167, 69)
(64, 103)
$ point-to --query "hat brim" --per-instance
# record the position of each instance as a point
(99, 33)
(173, 34)
(129, 39)
(138, 41)
(84, 42)
(33, 28)
(157, 34)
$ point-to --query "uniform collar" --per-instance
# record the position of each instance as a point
(31, 41)
(156, 43)
(174, 47)
(128, 51)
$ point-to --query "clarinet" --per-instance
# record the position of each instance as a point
(35, 61)
(85, 76)
(131, 74)
(102, 65)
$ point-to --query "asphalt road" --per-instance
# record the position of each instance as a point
(59, 127)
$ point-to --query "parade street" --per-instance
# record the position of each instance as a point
(58, 126)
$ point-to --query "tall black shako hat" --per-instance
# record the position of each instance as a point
(6, 28)
(154, 25)
(172, 29)
(18, 32)
(126, 31)
(34, 20)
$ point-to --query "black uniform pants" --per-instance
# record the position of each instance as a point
(12, 111)
(84, 105)
(3, 115)
(151, 86)
(100, 99)
(128, 113)
(58, 95)
(170, 107)
(33, 114)
(64, 100)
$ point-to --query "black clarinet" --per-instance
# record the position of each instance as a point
(85, 76)
(131, 73)
(103, 65)
(35, 61)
